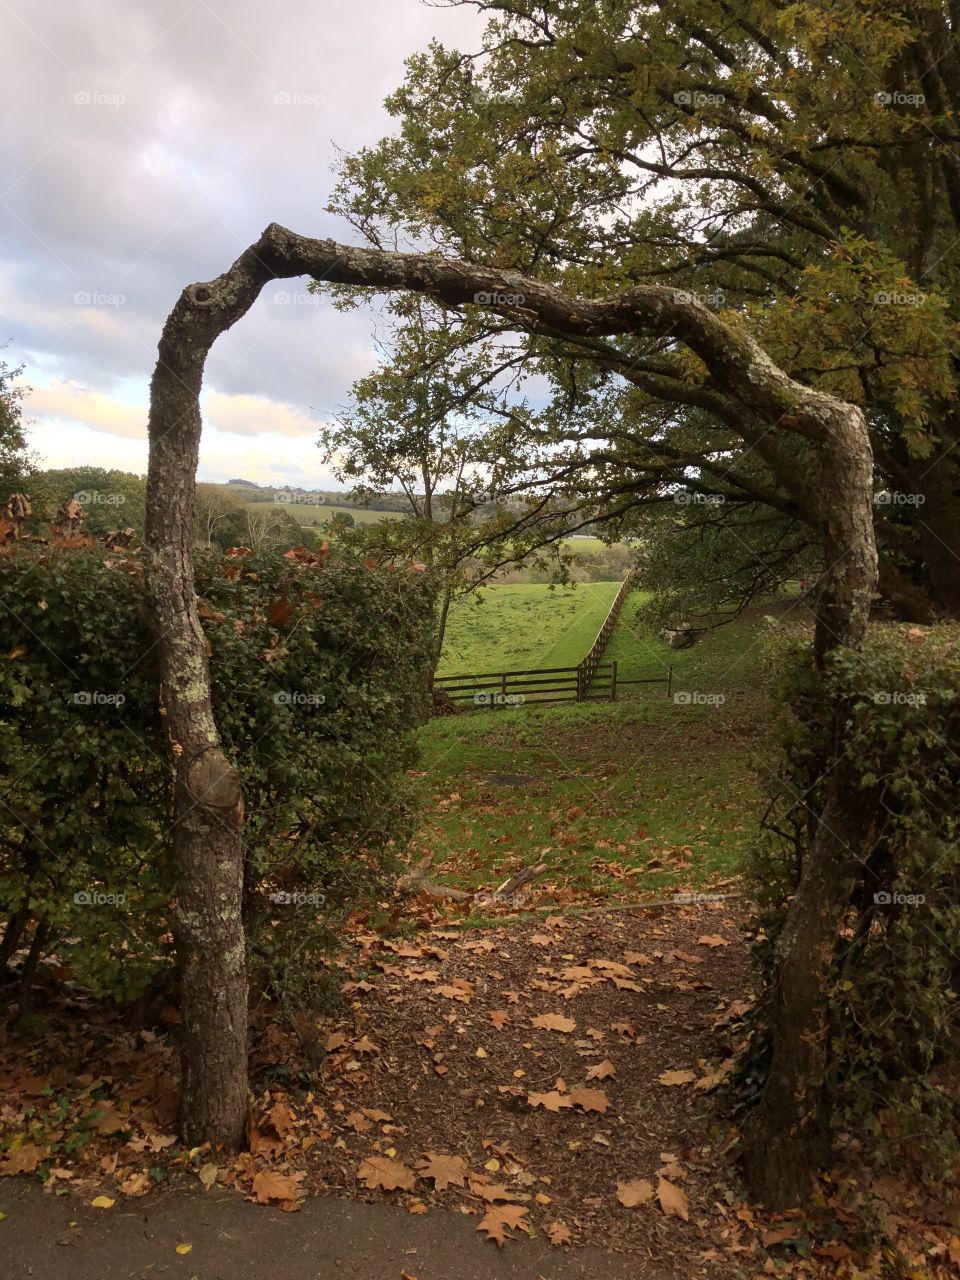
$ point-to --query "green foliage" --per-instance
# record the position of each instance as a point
(896, 976)
(318, 672)
(14, 459)
(110, 499)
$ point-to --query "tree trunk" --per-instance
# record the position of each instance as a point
(208, 806)
(787, 1141)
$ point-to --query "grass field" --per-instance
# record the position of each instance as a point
(312, 517)
(645, 795)
(521, 626)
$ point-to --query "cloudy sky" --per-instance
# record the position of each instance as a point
(147, 143)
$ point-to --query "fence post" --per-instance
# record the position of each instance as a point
(613, 680)
(580, 682)
(669, 681)
(503, 690)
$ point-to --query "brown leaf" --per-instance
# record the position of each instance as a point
(501, 1218)
(21, 1159)
(135, 1184)
(604, 1070)
(590, 1100)
(559, 1233)
(677, 1077)
(554, 1022)
(673, 1201)
(444, 1170)
(281, 1189)
(636, 1191)
(552, 1101)
(390, 1175)
(498, 1017)
(713, 940)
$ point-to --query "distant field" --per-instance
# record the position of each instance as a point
(522, 626)
(312, 517)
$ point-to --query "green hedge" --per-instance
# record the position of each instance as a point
(319, 669)
(893, 998)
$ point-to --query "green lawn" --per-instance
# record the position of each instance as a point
(522, 626)
(638, 797)
(726, 658)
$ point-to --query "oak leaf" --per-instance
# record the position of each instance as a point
(590, 1100)
(553, 1022)
(281, 1189)
(501, 1218)
(602, 1071)
(552, 1101)
(443, 1170)
(390, 1175)
(559, 1233)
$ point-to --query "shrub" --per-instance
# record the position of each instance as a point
(896, 969)
(319, 672)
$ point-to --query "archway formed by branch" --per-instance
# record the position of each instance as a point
(208, 806)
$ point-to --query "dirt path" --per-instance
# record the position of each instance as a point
(45, 1237)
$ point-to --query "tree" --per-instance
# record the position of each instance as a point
(219, 516)
(430, 426)
(208, 798)
(15, 461)
(796, 165)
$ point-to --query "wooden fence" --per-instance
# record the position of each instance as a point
(592, 680)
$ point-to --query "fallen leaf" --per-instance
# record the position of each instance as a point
(183, 1249)
(281, 1189)
(135, 1184)
(501, 1218)
(602, 1071)
(673, 1201)
(590, 1100)
(390, 1175)
(636, 1191)
(444, 1171)
(553, 1022)
(677, 1077)
(102, 1202)
(713, 940)
(208, 1175)
(552, 1101)
(21, 1159)
(559, 1233)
